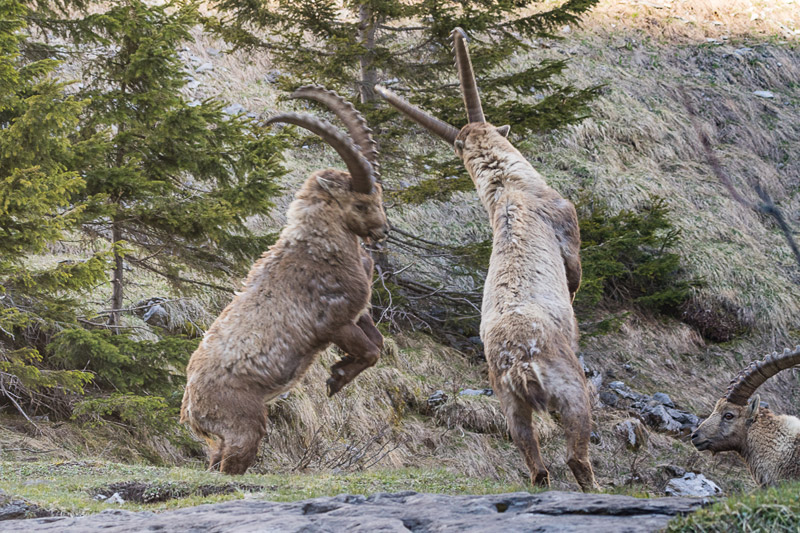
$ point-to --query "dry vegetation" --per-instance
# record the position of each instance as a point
(639, 142)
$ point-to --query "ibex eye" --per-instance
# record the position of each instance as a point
(361, 207)
(728, 416)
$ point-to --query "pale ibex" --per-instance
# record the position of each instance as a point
(310, 289)
(768, 443)
(527, 324)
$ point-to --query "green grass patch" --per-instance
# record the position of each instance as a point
(776, 509)
(70, 486)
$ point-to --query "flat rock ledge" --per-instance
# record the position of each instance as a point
(398, 512)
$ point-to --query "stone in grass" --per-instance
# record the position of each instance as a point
(692, 484)
(634, 433)
(204, 67)
(476, 392)
(115, 498)
(663, 399)
(764, 94)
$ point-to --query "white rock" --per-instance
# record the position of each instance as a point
(204, 67)
(115, 498)
(764, 94)
(692, 484)
(234, 109)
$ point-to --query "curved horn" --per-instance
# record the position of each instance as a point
(353, 120)
(469, 88)
(359, 168)
(432, 124)
(756, 373)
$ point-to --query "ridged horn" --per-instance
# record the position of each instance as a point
(353, 120)
(756, 373)
(432, 124)
(359, 168)
(469, 87)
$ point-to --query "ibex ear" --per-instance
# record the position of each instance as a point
(752, 407)
(459, 144)
(327, 185)
(503, 130)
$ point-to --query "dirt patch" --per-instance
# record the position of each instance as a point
(141, 492)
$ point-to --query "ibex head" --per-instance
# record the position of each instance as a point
(726, 428)
(356, 192)
(478, 136)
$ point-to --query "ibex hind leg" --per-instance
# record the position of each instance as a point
(215, 454)
(519, 415)
(239, 453)
(571, 400)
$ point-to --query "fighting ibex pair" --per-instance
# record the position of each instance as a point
(768, 443)
(527, 324)
(310, 289)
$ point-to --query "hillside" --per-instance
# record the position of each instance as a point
(408, 414)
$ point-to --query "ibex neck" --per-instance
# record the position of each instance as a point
(318, 229)
(771, 446)
(501, 170)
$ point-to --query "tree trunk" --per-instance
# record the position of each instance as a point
(366, 30)
(116, 279)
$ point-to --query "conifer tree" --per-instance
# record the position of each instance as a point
(37, 181)
(352, 45)
(172, 180)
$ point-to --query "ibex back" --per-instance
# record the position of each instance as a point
(527, 324)
(311, 288)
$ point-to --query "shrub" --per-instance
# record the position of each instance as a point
(627, 257)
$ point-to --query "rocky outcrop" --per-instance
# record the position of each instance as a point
(400, 512)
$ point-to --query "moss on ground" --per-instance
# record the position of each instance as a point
(71, 486)
(776, 509)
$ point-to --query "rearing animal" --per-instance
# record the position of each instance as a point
(310, 289)
(527, 324)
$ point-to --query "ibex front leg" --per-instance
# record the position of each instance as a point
(361, 343)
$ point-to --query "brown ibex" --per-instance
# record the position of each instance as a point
(527, 324)
(768, 443)
(310, 289)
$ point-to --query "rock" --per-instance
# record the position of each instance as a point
(663, 399)
(437, 398)
(153, 311)
(205, 67)
(476, 392)
(656, 416)
(764, 94)
(624, 391)
(115, 498)
(609, 398)
(692, 484)
(634, 433)
(234, 109)
(273, 76)
(401, 512)
(213, 52)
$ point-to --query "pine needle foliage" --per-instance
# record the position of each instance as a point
(172, 181)
(37, 181)
(352, 45)
(629, 257)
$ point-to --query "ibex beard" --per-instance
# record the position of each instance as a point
(527, 323)
(310, 289)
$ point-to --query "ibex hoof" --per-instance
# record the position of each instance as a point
(333, 385)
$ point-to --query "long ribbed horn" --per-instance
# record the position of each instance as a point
(353, 120)
(469, 88)
(432, 124)
(359, 168)
(756, 373)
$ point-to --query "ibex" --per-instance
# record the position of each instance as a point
(768, 443)
(527, 324)
(310, 289)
